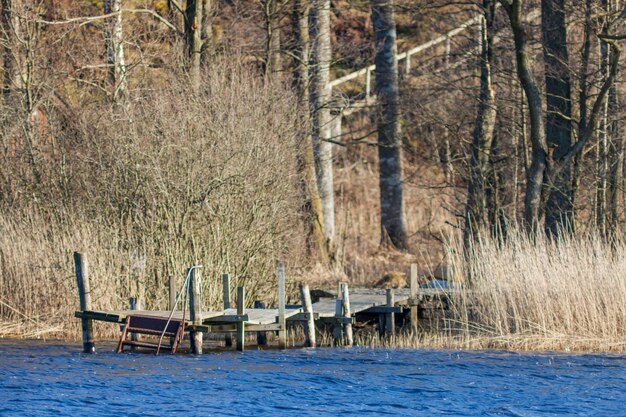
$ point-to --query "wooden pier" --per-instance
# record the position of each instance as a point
(335, 309)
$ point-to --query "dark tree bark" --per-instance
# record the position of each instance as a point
(537, 170)
(193, 38)
(483, 133)
(559, 206)
(393, 224)
(7, 53)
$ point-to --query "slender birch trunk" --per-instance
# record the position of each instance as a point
(114, 42)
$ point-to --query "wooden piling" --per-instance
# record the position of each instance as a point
(134, 304)
(345, 296)
(261, 337)
(309, 324)
(413, 296)
(228, 339)
(241, 295)
(390, 324)
(282, 333)
(338, 328)
(195, 310)
(81, 267)
(172, 292)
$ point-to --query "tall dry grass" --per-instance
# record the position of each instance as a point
(171, 180)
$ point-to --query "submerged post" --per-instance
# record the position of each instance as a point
(228, 340)
(413, 296)
(195, 310)
(241, 295)
(84, 294)
(390, 324)
(261, 337)
(282, 333)
(309, 324)
(345, 296)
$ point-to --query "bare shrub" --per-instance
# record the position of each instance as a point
(171, 180)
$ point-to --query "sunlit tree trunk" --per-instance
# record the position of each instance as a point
(114, 42)
(193, 38)
(320, 95)
(306, 162)
(393, 224)
(272, 32)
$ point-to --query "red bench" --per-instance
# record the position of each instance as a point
(154, 326)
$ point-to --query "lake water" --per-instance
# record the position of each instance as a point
(56, 379)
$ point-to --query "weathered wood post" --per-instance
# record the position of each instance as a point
(413, 297)
(282, 333)
(241, 296)
(338, 328)
(195, 310)
(81, 266)
(309, 324)
(390, 324)
(135, 304)
(345, 297)
(172, 292)
(228, 339)
(261, 337)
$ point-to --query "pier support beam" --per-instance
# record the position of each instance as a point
(134, 304)
(390, 323)
(345, 298)
(241, 297)
(228, 339)
(413, 296)
(337, 329)
(282, 333)
(81, 267)
(309, 324)
(195, 310)
(261, 337)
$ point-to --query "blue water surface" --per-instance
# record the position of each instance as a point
(45, 379)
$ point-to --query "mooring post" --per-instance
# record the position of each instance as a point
(390, 324)
(309, 324)
(338, 328)
(81, 267)
(241, 295)
(261, 337)
(345, 296)
(228, 339)
(195, 310)
(172, 292)
(413, 297)
(282, 333)
(135, 304)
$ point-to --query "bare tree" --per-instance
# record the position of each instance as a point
(483, 130)
(114, 42)
(193, 37)
(393, 224)
(320, 96)
(7, 54)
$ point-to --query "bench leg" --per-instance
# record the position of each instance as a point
(120, 345)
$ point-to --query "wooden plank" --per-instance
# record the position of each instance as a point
(241, 296)
(195, 309)
(81, 267)
(382, 310)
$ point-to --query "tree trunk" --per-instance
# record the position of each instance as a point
(538, 165)
(393, 225)
(483, 133)
(559, 208)
(114, 42)
(306, 161)
(207, 29)
(7, 53)
(272, 32)
(320, 94)
(193, 38)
